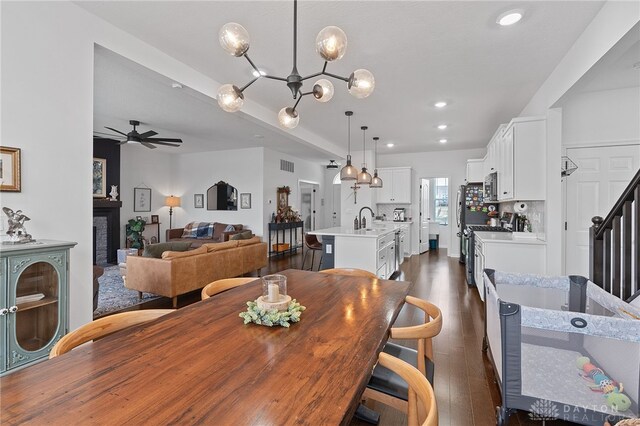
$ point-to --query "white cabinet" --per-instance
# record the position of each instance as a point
(521, 160)
(475, 171)
(396, 186)
(391, 258)
(491, 159)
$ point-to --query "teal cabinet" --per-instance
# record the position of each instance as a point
(34, 301)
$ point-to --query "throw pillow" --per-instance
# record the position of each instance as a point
(177, 254)
(156, 250)
(244, 235)
(253, 240)
(229, 228)
(221, 246)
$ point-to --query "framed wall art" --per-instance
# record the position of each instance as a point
(141, 199)
(283, 197)
(10, 169)
(245, 200)
(154, 218)
(99, 178)
(198, 201)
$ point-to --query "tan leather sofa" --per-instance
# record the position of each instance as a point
(181, 272)
(219, 234)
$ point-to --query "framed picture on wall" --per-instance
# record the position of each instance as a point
(154, 218)
(99, 178)
(141, 199)
(198, 201)
(245, 200)
(9, 169)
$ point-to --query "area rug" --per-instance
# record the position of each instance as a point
(114, 296)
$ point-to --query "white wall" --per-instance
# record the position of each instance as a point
(613, 21)
(601, 118)
(450, 164)
(195, 173)
(273, 178)
(143, 167)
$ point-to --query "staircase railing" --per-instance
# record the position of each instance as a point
(614, 245)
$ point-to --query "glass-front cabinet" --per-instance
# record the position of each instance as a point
(34, 301)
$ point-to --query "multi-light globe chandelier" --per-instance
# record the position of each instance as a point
(331, 45)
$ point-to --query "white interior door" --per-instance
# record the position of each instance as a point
(602, 175)
(336, 189)
(424, 215)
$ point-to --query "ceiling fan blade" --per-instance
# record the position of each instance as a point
(148, 134)
(162, 140)
(114, 130)
(148, 145)
(165, 144)
(107, 134)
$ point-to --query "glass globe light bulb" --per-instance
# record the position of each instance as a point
(361, 83)
(323, 90)
(234, 38)
(331, 43)
(288, 118)
(230, 98)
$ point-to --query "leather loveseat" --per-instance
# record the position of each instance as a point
(178, 273)
(219, 234)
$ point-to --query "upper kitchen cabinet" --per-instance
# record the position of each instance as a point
(396, 185)
(475, 171)
(491, 159)
(521, 160)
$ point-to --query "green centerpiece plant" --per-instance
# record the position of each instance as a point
(135, 228)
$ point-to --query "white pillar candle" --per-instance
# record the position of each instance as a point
(274, 293)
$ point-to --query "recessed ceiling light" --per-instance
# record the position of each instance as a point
(257, 74)
(440, 104)
(510, 17)
(442, 126)
(389, 145)
(442, 141)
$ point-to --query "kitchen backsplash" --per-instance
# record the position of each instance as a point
(387, 209)
(535, 213)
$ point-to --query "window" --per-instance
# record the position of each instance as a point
(441, 200)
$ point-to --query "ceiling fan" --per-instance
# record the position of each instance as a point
(145, 138)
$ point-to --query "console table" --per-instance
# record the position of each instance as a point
(278, 234)
(33, 300)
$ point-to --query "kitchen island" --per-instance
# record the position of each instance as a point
(372, 249)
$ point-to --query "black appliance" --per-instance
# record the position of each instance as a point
(491, 187)
(471, 244)
(471, 209)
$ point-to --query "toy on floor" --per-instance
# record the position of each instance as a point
(611, 389)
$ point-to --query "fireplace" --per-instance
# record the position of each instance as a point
(106, 223)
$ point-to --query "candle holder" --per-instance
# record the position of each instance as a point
(274, 293)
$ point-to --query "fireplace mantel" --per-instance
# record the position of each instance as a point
(105, 203)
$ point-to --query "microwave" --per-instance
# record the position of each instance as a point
(491, 187)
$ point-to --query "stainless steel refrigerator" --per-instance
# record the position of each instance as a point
(471, 210)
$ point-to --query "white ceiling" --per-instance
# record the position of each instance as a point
(125, 90)
(419, 52)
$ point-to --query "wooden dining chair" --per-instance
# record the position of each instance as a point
(103, 327)
(219, 286)
(350, 272)
(386, 386)
(419, 390)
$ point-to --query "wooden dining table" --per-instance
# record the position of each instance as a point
(202, 365)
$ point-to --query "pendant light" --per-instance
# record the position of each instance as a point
(364, 177)
(348, 172)
(376, 182)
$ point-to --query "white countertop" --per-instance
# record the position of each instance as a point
(505, 237)
(343, 231)
(393, 222)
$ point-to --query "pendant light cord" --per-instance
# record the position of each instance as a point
(364, 146)
(295, 34)
(349, 137)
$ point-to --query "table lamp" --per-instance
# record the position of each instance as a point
(171, 202)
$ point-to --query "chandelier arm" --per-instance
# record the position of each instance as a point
(324, 69)
(299, 99)
(249, 84)
(251, 62)
(273, 77)
(345, 79)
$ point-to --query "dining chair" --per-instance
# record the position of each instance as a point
(103, 327)
(219, 286)
(419, 389)
(386, 386)
(313, 245)
(353, 272)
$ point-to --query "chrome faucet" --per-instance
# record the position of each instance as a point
(360, 216)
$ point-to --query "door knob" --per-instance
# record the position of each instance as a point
(13, 309)
(4, 311)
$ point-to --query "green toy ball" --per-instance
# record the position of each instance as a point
(618, 401)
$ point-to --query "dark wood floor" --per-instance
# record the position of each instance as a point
(465, 387)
